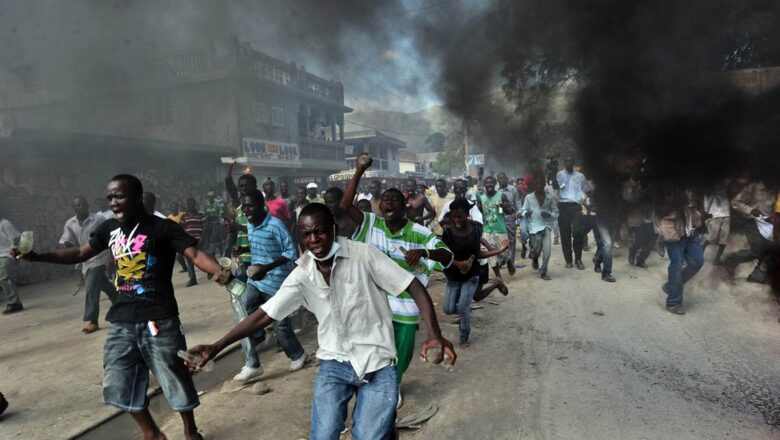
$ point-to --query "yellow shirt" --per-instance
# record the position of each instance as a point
(777, 204)
(176, 217)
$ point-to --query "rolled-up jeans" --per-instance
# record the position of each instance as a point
(373, 417)
(95, 281)
(457, 299)
(686, 256)
(285, 335)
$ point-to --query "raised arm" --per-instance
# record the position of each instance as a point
(230, 185)
(435, 340)
(347, 206)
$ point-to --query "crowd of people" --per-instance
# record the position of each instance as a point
(360, 258)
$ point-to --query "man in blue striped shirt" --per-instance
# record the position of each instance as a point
(273, 252)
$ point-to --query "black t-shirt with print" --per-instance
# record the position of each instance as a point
(144, 254)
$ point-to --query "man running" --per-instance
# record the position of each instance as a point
(571, 186)
(541, 211)
(422, 252)
(8, 237)
(273, 252)
(494, 206)
(76, 233)
(510, 219)
(343, 283)
(145, 333)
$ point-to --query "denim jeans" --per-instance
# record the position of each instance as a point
(131, 351)
(541, 245)
(373, 417)
(686, 257)
(457, 299)
(601, 230)
(95, 281)
(285, 336)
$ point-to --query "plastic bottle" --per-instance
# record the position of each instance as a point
(194, 359)
(417, 268)
(26, 242)
(235, 287)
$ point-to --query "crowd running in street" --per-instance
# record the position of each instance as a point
(360, 259)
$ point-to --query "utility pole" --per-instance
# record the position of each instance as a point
(466, 145)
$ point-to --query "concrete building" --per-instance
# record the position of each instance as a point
(168, 121)
(384, 149)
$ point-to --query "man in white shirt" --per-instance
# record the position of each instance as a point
(571, 185)
(344, 283)
(718, 210)
(77, 232)
(8, 236)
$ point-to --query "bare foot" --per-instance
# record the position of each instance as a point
(464, 345)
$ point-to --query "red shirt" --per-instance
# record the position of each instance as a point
(278, 208)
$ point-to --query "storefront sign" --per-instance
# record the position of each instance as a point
(269, 150)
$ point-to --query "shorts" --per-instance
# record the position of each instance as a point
(718, 230)
(496, 240)
(131, 352)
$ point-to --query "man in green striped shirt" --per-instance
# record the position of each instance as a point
(245, 183)
(422, 252)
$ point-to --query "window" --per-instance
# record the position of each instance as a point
(277, 116)
(260, 112)
(158, 110)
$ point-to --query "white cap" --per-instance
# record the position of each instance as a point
(311, 185)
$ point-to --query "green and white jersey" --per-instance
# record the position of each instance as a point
(374, 231)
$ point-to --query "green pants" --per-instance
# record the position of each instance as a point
(6, 284)
(404, 345)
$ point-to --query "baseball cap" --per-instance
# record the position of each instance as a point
(311, 185)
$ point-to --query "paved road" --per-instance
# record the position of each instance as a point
(572, 358)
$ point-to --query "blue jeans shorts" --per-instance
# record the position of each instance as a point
(131, 351)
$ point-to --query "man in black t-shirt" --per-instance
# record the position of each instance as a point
(145, 332)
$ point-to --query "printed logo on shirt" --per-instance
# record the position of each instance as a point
(134, 263)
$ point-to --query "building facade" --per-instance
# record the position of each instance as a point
(169, 122)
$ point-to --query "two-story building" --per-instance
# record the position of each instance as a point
(168, 121)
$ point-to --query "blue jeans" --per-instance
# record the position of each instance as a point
(686, 257)
(131, 351)
(285, 336)
(95, 281)
(373, 417)
(457, 298)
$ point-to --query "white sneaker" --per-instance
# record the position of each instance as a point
(400, 402)
(248, 373)
(299, 363)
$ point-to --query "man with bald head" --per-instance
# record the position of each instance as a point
(76, 233)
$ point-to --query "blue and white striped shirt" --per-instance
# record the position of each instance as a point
(268, 242)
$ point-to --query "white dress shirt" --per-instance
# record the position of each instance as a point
(354, 316)
(79, 233)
